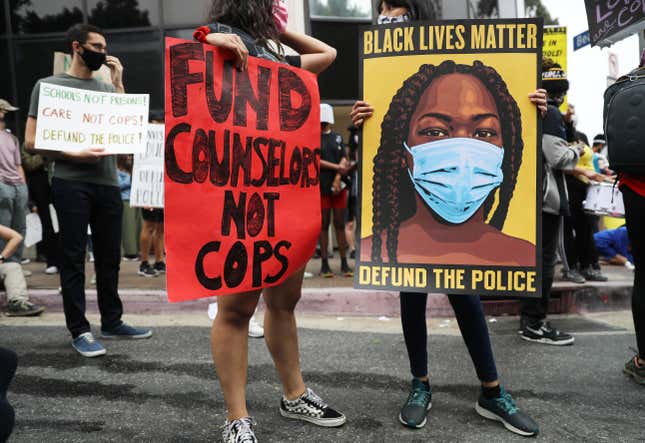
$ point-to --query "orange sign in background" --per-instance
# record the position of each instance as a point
(242, 161)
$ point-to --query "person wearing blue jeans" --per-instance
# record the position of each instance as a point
(85, 191)
(13, 212)
(13, 186)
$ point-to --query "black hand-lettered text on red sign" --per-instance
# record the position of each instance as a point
(242, 170)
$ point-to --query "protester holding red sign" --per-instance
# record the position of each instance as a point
(242, 163)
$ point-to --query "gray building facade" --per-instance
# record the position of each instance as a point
(32, 30)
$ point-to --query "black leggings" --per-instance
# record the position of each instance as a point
(472, 323)
(579, 243)
(635, 214)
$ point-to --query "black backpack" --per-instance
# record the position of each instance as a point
(624, 117)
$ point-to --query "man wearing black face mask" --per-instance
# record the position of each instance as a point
(85, 190)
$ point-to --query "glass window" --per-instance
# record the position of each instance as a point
(111, 14)
(340, 81)
(186, 34)
(182, 13)
(341, 8)
(5, 84)
(34, 60)
(141, 56)
(3, 21)
(29, 16)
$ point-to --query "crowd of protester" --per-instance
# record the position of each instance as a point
(26, 179)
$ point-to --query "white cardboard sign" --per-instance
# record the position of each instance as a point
(34, 231)
(148, 172)
(71, 119)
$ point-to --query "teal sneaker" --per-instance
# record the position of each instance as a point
(503, 409)
(414, 411)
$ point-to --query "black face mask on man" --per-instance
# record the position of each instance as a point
(93, 60)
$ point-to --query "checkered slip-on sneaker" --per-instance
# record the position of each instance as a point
(309, 407)
(239, 431)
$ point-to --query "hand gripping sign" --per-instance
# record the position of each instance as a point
(242, 158)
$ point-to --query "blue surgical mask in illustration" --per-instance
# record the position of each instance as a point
(454, 176)
(386, 20)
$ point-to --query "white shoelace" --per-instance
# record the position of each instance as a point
(243, 430)
(88, 336)
(314, 398)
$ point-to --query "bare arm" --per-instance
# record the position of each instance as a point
(13, 241)
(316, 56)
(324, 164)
(116, 72)
(234, 44)
(591, 175)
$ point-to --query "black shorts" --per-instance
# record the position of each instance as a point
(154, 215)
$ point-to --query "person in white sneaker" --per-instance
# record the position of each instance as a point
(231, 325)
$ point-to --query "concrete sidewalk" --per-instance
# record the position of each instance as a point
(336, 296)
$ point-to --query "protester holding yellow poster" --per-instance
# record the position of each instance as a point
(555, 48)
(449, 180)
(450, 173)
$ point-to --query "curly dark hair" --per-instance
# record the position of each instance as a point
(255, 17)
(393, 193)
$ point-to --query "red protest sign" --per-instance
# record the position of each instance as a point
(242, 162)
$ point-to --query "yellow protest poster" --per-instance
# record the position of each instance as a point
(555, 48)
(449, 176)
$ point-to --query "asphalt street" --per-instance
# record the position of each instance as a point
(164, 389)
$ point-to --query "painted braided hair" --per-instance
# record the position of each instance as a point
(393, 192)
